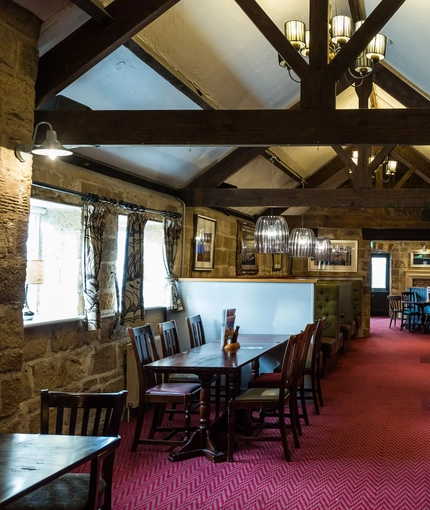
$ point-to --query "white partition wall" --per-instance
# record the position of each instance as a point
(262, 306)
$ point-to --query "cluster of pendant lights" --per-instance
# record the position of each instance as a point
(340, 31)
(272, 236)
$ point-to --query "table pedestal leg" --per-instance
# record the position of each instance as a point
(200, 442)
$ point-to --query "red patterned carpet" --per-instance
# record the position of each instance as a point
(369, 448)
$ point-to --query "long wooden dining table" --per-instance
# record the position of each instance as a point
(205, 361)
(28, 461)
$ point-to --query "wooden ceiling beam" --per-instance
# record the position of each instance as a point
(391, 83)
(90, 43)
(308, 197)
(245, 128)
(226, 167)
(96, 10)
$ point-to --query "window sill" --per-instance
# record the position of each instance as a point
(41, 320)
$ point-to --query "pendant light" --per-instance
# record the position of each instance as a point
(271, 235)
(302, 243)
(323, 249)
(271, 232)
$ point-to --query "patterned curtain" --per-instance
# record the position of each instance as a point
(94, 227)
(172, 233)
(132, 307)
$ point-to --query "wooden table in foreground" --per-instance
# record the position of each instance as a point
(28, 461)
(206, 361)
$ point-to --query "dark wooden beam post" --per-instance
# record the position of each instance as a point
(318, 88)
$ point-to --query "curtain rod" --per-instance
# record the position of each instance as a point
(90, 197)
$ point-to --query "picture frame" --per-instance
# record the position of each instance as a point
(204, 243)
(344, 258)
(246, 256)
(420, 259)
(276, 261)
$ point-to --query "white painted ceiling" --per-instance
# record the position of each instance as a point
(212, 45)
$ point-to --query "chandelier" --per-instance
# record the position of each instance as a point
(386, 170)
(271, 235)
(340, 32)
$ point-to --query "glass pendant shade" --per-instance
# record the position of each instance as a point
(341, 29)
(271, 235)
(323, 249)
(376, 48)
(295, 33)
(302, 243)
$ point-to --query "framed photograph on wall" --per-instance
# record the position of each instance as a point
(246, 256)
(344, 258)
(204, 243)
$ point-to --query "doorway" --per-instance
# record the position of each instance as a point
(379, 283)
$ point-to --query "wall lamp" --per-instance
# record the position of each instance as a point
(50, 147)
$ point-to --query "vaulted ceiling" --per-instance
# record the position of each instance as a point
(187, 97)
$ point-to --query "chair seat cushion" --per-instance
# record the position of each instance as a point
(260, 394)
(173, 388)
(69, 491)
(270, 377)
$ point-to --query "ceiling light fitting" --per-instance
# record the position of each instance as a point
(271, 235)
(50, 147)
(340, 32)
(323, 249)
(302, 243)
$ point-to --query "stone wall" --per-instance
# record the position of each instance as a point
(19, 31)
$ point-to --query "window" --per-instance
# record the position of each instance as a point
(55, 237)
(154, 270)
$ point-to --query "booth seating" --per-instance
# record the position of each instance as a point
(348, 325)
(351, 307)
(327, 305)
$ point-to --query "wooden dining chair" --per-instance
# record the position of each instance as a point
(410, 312)
(295, 384)
(275, 399)
(395, 309)
(85, 414)
(197, 337)
(153, 391)
(313, 367)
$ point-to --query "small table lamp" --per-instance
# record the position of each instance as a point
(34, 277)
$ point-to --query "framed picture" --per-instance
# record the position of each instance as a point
(344, 258)
(276, 261)
(204, 243)
(246, 257)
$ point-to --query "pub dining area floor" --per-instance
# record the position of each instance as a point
(368, 449)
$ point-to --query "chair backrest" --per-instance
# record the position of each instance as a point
(145, 351)
(290, 360)
(395, 304)
(169, 338)
(318, 335)
(84, 414)
(303, 349)
(196, 331)
(406, 298)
